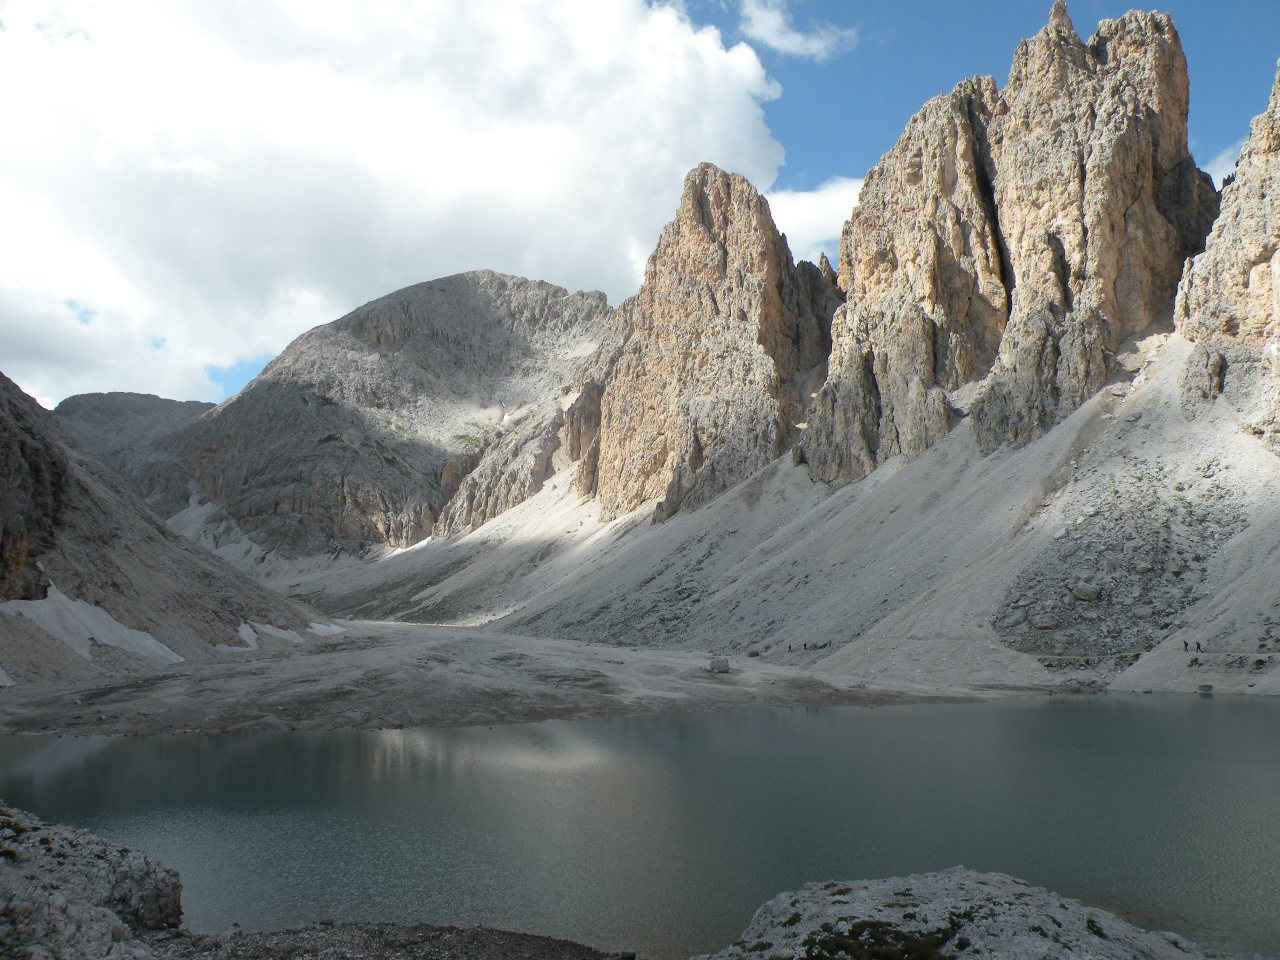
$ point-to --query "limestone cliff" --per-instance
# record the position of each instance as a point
(508, 471)
(708, 380)
(34, 481)
(1229, 298)
(1009, 243)
(123, 429)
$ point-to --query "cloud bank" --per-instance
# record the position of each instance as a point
(769, 22)
(1224, 164)
(189, 185)
(812, 219)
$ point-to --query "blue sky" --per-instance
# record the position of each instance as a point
(202, 182)
(838, 116)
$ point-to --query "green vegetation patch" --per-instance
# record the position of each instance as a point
(878, 940)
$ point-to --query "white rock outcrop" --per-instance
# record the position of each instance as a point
(68, 895)
(955, 913)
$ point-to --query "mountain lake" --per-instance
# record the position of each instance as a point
(663, 834)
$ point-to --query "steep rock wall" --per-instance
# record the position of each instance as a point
(1009, 243)
(91, 581)
(1229, 298)
(708, 381)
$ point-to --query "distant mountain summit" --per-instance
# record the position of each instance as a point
(124, 428)
(359, 433)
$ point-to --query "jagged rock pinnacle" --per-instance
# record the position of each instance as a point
(1009, 242)
(1228, 300)
(705, 386)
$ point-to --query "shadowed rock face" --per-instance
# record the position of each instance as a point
(360, 432)
(708, 381)
(34, 479)
(1229, 298)
(122, 429)
(67, 522)
(1009, 243)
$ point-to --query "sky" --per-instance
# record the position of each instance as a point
(187, 186)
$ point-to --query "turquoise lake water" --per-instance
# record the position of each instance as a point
(662, 835)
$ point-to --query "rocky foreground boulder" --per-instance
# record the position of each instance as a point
(68, 895)
(1008, 245)
(951, 914)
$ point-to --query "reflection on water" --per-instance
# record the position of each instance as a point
(663, 834)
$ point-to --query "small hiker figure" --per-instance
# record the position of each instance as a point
(1185, 648)
(1198, 650)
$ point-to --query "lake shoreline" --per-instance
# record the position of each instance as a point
(274, 830)
(395, 676)
(371, 941)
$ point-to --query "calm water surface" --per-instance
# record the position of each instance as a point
(663, 835)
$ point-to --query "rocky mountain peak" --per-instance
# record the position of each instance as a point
(1229, 296)
(1050, 53)
(1009, 243)
(1264, 134)
(360, 432)
(706, 384)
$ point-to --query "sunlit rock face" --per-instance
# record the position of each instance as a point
(1229, 298)
(716, 352)
(1009, 243)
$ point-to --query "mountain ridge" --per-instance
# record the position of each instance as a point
(1005, 300)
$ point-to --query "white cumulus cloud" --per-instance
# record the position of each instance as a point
(812, 219)
(770, 22)
(188, 185)
(1224, 163)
